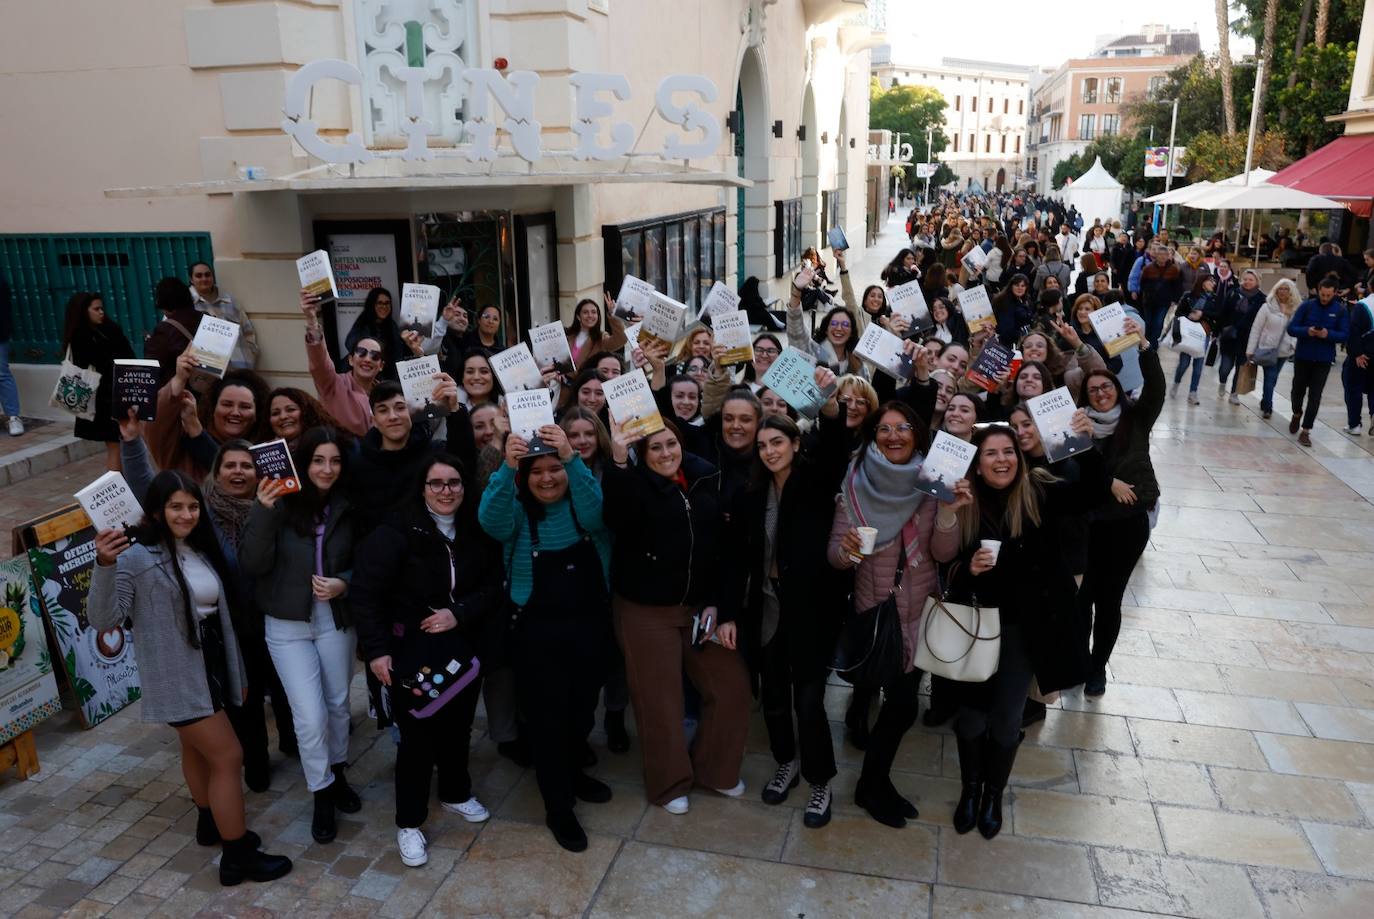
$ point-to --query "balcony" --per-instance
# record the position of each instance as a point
(821, 11)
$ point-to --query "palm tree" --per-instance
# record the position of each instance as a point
(1271, 16)
(1228, 101)
(1303, 21)
(1323, 17)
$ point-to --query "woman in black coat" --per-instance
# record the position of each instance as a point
(96, 342)
(378, 320)
(425, 586)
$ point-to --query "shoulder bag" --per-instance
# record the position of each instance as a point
(959, 641)
(869, 652)
(430, 670)
(75, 389)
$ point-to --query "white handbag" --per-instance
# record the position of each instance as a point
(75, 389)
(958, 641)
(1189, 337)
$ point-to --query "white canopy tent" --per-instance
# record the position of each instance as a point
(1096, 194)
(1187, 194)
(1259, 197)
(1180, 195)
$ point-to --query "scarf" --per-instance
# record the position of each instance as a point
(1104, 423)
(229, 512)
(881, 494)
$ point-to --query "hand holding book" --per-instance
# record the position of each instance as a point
(109, 545)
(269, 490)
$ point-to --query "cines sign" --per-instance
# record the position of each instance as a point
(514, 96)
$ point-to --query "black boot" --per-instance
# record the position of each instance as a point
(517, 751)
(322, 826)
(345, 798)
(257, 774)
(586, 788)
(856, 718)
(881, 806)
(998, 761)
(971, 775)
(567, 832)
(617, 739)
(1032, 712)
(207, 834)
(242, 861)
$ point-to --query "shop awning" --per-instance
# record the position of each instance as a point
(1343, 169)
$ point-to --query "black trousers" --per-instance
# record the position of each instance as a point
(901, 703)
(1309, 379)
(559, 667)
(1114, 546)
(995, 707)
(250, 720)
(783, 691)
(437, 742)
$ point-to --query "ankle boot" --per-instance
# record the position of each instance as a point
(345, 798)
(242, 861)
(998, 761)
(881, 807)
(207, 833)
(971, 774)
(323, 827)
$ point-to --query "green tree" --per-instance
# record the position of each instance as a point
(1322, 88)
(1212, 156)
(912, 111)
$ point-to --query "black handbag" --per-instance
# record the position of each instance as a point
(869, 652)
(429, 670)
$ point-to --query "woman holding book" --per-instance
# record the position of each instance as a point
(1066, 367)
(187, 431)
(1121, 519)
(879, 491)
(476, 379)
(1014, 310)
(426, 589)
(377, 321)
(299, 548)
(95, 341)
(950, 327)
(172, 584)
(666, 513)
(835, 338)
(585, 335)
(1016, 508)
(589, 438)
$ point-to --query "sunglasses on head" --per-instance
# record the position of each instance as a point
(367, 352)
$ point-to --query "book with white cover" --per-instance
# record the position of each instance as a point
(720, 299)
(884, 350)
(946, 462)
(634, 297)
(317, 276)
(974, 259)
(110, 503)
(549, 344)
(731, 330)
(419, 308)
(632, 405)
(663, 321)
(909, 301)
(417, 380)
(214, 345)
(1109, 322)
(1053, 413)
(977, 308)
(528, 411)
(516, 369)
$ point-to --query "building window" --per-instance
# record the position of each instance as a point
(956, 103)
(987, 143)
(1089, 90)
(895, 82)
(787, 236)
(1004, 143)
(1021, 107)
(681, 255)
(990, 100)
(1156, 84)
(972, 146)
(1018, 143)
(956, 143)
(1006, 106)
(1111, 124)
(1113, 90)
(830, 215)
(973, 107)
(1085, 126)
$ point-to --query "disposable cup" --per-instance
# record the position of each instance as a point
(868, 538)
(994, 546)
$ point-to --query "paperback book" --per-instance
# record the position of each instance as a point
(884, 351)
(977, 308)
(528, 411)
(214, 345)
(945, 464)
(909, 301)
(721, 299)
(550, 346)
(632, 404)
(974, 260)
(419, 308)
(1052, 413)
(134, 385)
(417, 383)
(516, 369)
(731, 330)
(272, 460)
(837, 239)
(1109, 322)
(663, 320)
(110, 503)
(991, 365)
(317, 277)
(634, 298)
(792, 375)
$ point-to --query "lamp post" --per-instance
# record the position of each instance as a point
(1169, 168)
(930, 141)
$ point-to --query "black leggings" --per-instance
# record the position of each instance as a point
(1114, 546)
(1000, 701)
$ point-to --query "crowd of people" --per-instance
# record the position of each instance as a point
(670, 579)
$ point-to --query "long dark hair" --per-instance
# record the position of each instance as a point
(749, 372)
(75, 321)
(369, 313)
(250, 381)
(304, 508)
(313, 413)
(575, 326)
(467, 509)
(824, 324)
(759, 475)
(152, 530)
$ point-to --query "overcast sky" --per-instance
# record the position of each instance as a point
(1011, 32)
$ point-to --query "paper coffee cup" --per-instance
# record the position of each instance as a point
(994, 546)
(868, 538)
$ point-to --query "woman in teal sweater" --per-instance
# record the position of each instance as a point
(546, 512)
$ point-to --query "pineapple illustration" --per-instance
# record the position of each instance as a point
(12, 609)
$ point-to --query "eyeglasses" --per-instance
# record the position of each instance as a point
(439, 486)
(766, 352)
(839, 324)
(367, 352)
(889, 429)
(856, 401)
(1100, 390)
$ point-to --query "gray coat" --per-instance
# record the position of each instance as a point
(141, 585)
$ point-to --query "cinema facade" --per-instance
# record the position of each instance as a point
(527, 153)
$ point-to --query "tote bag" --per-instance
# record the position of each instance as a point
(959, 641)
(75, 389)
(1189, 337)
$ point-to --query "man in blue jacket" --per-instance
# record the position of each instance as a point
(1357, 376)
(1319, 325)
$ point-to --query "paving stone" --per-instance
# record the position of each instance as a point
(1175, 886)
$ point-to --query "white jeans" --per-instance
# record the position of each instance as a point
(315, 663)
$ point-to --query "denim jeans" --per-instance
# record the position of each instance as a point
(1183, 361)
(1225, 364)
(9, 389)
(1355, 380)
(315, 662)
(1271, 379)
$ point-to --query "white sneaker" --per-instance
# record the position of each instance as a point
(1221, 389)
(1234, 399)
(733, 792)
(414, 848)
(677, 805)
(1193, 399)
(16, 426)
(1352, 429)
(470, 810)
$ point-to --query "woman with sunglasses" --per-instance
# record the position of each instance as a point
(377, 322)
(424, 586)
(1121, 521)
(880, 491)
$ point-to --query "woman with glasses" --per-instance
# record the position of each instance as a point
(424, 585)
(1121, 521)
(880, 491)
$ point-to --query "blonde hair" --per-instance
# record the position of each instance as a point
(1023, 497)
(1294, 298)
(852, 381)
